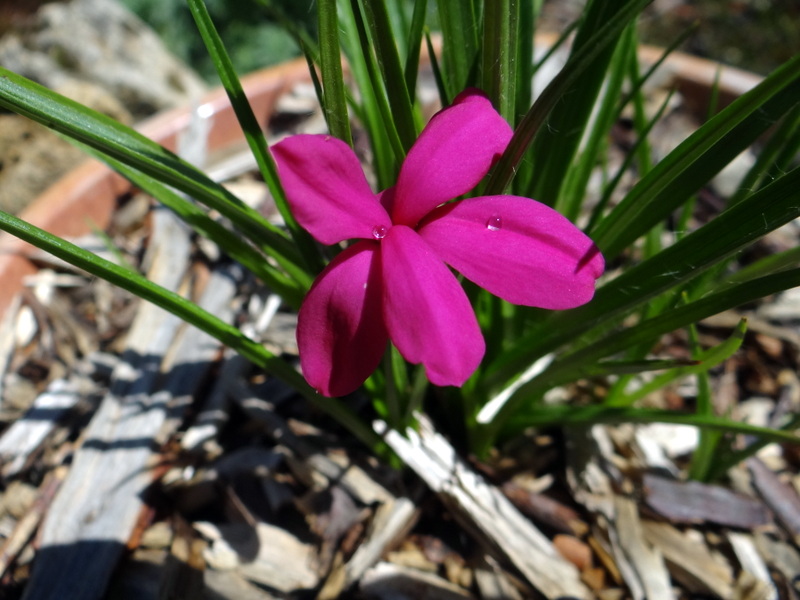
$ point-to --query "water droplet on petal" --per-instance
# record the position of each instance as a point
(494, 223)
(379, 232)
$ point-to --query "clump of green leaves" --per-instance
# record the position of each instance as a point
(561, 136)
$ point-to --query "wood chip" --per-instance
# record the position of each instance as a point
(591, 473)
(747, 554)
(784, 559)
(229, 585)
(392, 520)
(543, 509)
(184, 567)
(642, 566)
(264, 554)
(493, 583)
(484, 511)
(7, 338)
(331, 514)
(696, 502)
(690, 560)
(98, 505)
(781, 498)
(386, 581)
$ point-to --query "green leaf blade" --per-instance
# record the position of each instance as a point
(698, 158)
(133, 149)
(255, 137)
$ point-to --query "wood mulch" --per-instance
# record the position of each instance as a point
(140, 459)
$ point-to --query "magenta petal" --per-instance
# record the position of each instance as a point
(453, 153)
(427, 313)
(326, 188)
(518, 249)
(340, 331)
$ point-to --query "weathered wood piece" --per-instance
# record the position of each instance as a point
(694, 502)
(747, 554)
(651, 576)
(386, 581)
(8, 326)
(591, 473)
(229, 585)
(392, 521)
(485, 512)
(544, 509)
(492, 582)
(782, 499)
(783, 558)
(97, 507)
(593, 477)
(261, 553)
(690, 560)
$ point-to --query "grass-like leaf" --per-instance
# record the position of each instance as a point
(630, 157)
(734, 455)
(631, 367)
(189, 312)
(709, 442)
(571, 192)
(252, 131)
(232, 244)
(579, 416)
(673, 267)
(392, 70)
(500, 39)
(460, 21)
(335, 102)
(772, 263)
(377, 114)
(638, 84)
(555, 145)
(774, 157)
(704, 360)
(414, 43)
(444, 99)
(569, 367)
(133, 149)
(574, 365)
(526, 30)
(699, 158)
(535, 119)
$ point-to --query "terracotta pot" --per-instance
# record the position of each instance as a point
(88, 195)
(695, 78)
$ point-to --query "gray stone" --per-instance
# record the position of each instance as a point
(100, 55)
(101, 43)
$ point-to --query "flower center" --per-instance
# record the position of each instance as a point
(494, 223)
(379, 232)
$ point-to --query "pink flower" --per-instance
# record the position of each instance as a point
(394, 284)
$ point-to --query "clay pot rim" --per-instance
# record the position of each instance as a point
(87, 195)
